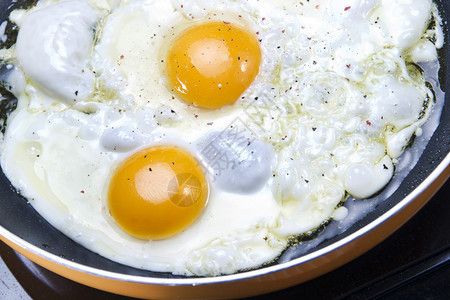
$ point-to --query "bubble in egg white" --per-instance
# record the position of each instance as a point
(248, 162)
(397, 143)
(362, 180)
(121, 139)
(424, 52)
(68, 25)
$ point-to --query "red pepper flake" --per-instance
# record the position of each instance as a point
(226, 22)
(368, 122)
(181, 5)
(196, 116)
(283, 31)
(121, 57)
(301, 3)
(348, 66)
(240, 16)
(308, 39)
(347, 8)
(82, 192)
(317, 6)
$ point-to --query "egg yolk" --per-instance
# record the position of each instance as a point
(212, 64)
(157, 192)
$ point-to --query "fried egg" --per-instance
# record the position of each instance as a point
(198, 137)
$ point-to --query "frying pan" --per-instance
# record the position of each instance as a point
(29, 234)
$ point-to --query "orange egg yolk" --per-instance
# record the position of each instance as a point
(212, 64)
(157, 192)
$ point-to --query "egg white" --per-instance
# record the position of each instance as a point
(332, 107)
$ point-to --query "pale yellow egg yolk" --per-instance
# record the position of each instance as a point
(212, 64)
(157, 192)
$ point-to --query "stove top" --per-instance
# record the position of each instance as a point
(413, 263)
